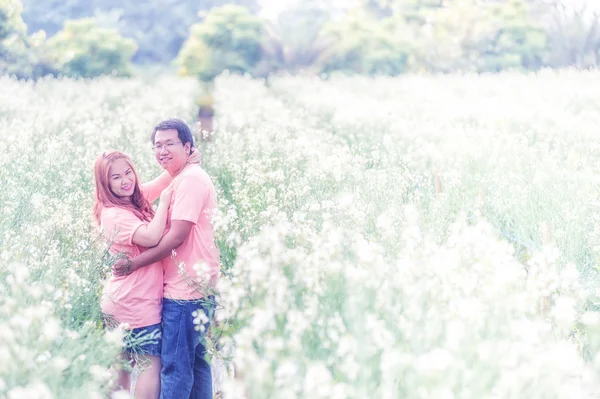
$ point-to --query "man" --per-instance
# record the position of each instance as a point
(188, 246)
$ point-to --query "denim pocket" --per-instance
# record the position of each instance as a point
(172, 318)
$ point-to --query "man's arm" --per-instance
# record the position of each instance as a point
(179, 231)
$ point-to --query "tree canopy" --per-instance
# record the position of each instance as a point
(90, 37)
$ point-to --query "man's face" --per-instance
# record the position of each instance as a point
(170, 152)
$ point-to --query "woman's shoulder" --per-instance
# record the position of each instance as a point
(119, 224)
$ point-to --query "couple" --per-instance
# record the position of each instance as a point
(159, 290)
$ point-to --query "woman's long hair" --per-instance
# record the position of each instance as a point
(105, 198)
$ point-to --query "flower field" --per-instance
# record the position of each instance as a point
(414, 237)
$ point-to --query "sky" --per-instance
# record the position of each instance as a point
(272, 8)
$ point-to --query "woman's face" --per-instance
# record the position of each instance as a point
(121, 178)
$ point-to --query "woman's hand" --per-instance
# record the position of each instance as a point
(195, 157)
(165, 196)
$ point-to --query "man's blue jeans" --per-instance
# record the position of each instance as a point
(185, 372)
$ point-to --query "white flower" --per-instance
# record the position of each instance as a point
(286, 370)
(115, 336)
(99, 373)
(60, 364)
(122, 394)
(44, 357)
(35, 390)
(591, 319)
(318, 382)
(6, 334)
(436, 361)
(200, 319)
(51, 330)
(564, 311)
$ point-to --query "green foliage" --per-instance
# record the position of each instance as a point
(368, 47)
(10, 18)
(159, 27)
(230, 38)
(375, 37)
(8, 30)
(479, 36)
(83, 49)
(20, 55)
(514, 41)
(4, 27)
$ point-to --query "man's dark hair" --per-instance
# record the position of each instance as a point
(183, 130)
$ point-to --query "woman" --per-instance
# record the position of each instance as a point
(129, 224)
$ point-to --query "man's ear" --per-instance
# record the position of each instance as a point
(188, 148)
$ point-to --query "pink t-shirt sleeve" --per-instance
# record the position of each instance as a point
(153, 188)
(188, 199)
(119, 225)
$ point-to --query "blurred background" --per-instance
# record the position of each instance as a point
(328, 286)
(202, 38)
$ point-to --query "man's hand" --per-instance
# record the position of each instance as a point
(122, 267)
(195, 157)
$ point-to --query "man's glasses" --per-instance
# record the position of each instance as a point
(168, 146)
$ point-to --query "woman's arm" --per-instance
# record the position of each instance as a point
(148, 235)
(153, 188)
(176, 236)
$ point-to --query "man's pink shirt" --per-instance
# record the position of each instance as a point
(193, 200)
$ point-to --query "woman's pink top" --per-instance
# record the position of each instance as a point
(135, 299)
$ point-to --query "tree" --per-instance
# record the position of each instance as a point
(477, 35)
(367, 46)
(20, 55)
(159, 27)
(515, 41)
(11, 19)
(83, 49)
(229, 38)
(12, 29)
